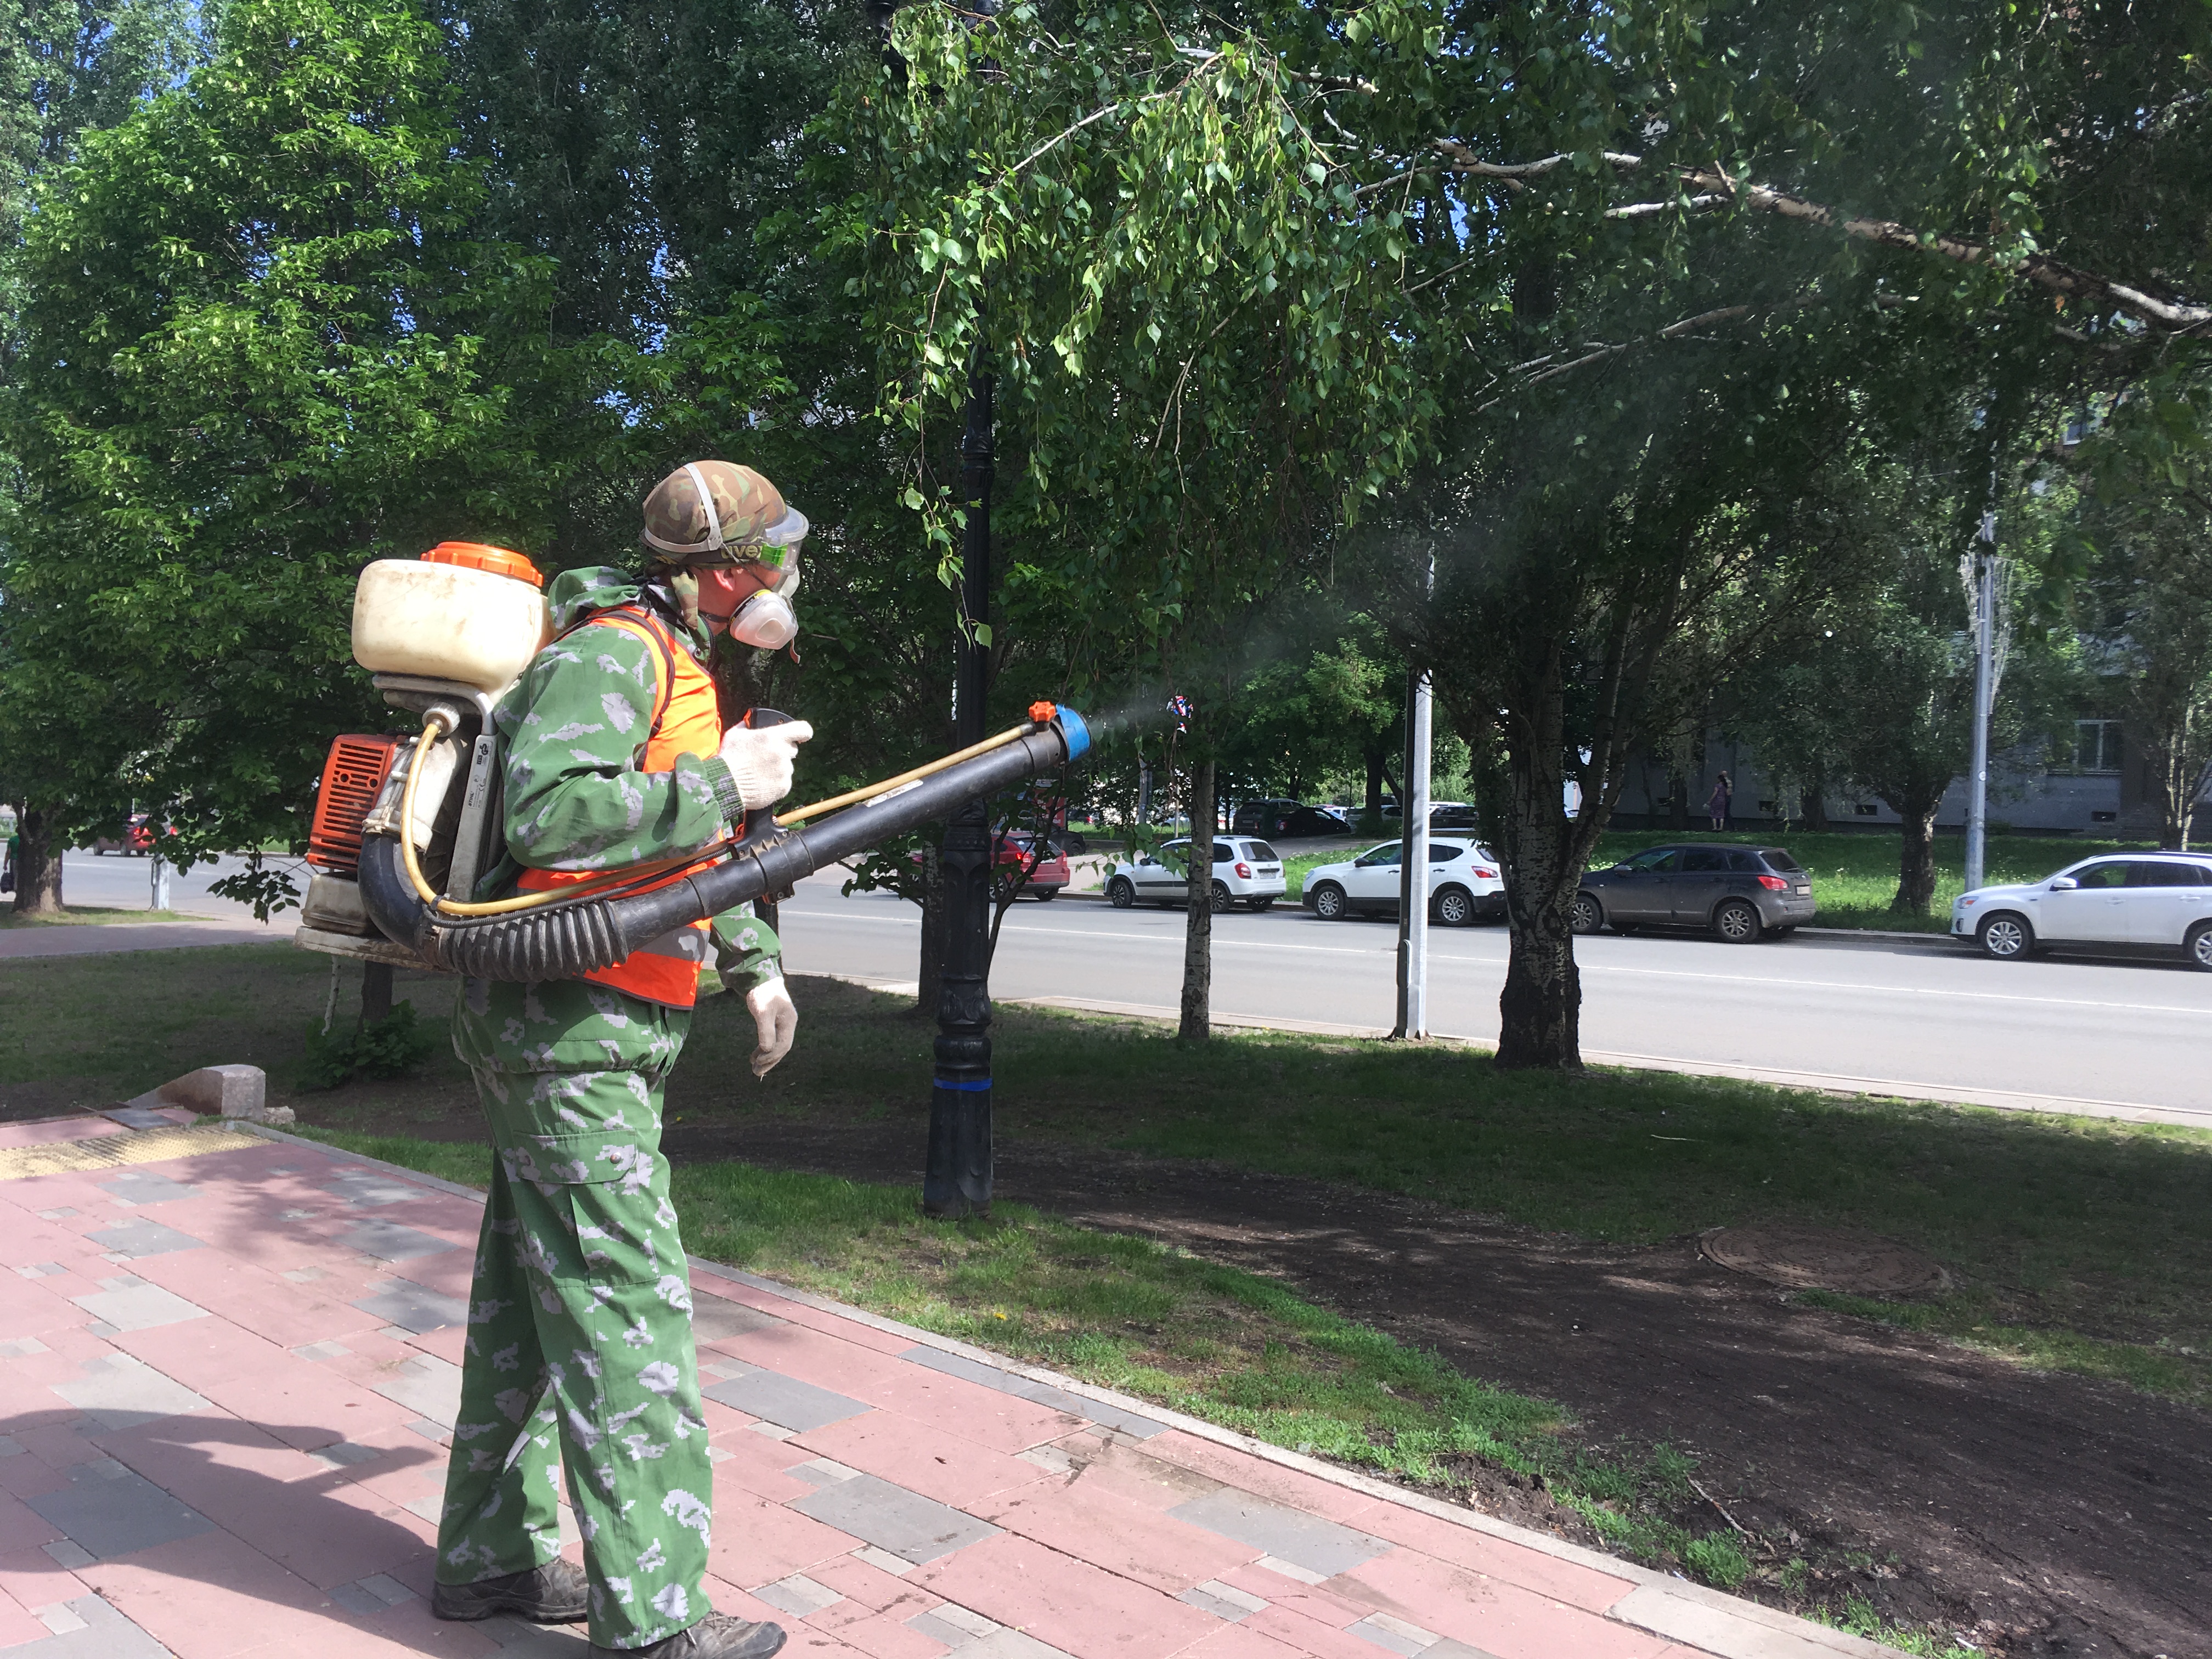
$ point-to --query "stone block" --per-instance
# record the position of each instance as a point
(235, 1092)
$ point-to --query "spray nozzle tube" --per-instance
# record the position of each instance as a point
(583, 934)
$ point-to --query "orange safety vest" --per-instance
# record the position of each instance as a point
(687, 720)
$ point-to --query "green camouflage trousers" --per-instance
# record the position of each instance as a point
(580, 1351)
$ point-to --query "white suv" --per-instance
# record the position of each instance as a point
(1466, 884)
(1246, 871)
(2159, 902)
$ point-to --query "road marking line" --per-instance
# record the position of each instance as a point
(1760, 979)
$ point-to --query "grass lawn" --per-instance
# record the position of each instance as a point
(91, 915)
(1854, 876)
(2081, 1243)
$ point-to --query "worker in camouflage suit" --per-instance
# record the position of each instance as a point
(579, 1354)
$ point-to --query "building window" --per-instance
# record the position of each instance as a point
(2096, 745)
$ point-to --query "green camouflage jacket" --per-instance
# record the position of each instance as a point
(575, 726)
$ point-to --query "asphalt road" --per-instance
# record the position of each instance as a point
(1934, 1020)
(1882, 1016)
(112, 880)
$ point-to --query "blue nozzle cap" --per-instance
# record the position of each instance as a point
(1074, 732)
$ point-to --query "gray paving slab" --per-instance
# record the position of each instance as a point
(118, 1392)
(415, 1308)
(344, 1454)
(1318, 1546)
(354, 1598)
(139, 1117)
(389, 1242)
(140, 1236)
(367, 1190)
(89, 1628)
(132, 1305)
(786, 1401)
(714, 1317)
(518, 1640)
(427, 1384)
(937, 1630)
(1449, 1648)
(1044, 1394)
(1008, 1643)
(144, 1187)
(1400, 1642)
(909, 1525)
(798, 1596)
(107, 1511)
(1222, 1600)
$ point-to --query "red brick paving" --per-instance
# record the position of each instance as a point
(1089, 1562)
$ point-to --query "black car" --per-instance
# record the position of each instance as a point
(1285, 820)
(1742, 893)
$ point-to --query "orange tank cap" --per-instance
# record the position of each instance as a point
(480, 555)
(1043, 714)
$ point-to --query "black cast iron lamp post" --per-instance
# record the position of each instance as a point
(957, 1180)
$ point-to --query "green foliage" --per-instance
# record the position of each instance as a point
(264, 341)
(391, 1048)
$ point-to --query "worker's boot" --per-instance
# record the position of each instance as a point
(554, 1593)
(718, 1636)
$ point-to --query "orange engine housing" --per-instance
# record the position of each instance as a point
(352, 777)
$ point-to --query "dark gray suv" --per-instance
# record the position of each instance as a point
(1742, 893)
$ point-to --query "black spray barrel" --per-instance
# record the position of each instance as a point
(577, 937)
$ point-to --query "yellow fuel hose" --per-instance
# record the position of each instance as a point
(435, 726)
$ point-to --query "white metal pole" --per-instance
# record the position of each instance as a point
(1414, 866)
(158, 880)
(1977, 800)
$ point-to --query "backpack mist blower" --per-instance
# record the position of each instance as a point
(403, 827)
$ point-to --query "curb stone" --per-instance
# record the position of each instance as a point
(1726, 1626)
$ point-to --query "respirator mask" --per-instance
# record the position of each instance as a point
(766, 621)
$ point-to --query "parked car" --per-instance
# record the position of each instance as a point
(1466, 884)
(1289, 819)
(1246, 871)
(1011, 847)
(1015, 847)
(137, 840)
(1743, 893)
(2156, 902)
(1446, 815)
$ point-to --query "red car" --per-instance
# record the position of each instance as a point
(1011, 847)
(1016, 846)
(137, 840)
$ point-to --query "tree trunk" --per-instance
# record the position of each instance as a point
(375, 994)
(1916, 858)
(1197, 1024)
(1814, 802)
(1540, 1010)
(38, 864)
(1374, 804)
(929, 975)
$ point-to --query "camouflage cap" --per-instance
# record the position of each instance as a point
(713, 511)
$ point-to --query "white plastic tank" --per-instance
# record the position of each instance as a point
(463, 611)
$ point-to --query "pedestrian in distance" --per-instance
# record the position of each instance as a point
(1720, 805)
(580, 1358)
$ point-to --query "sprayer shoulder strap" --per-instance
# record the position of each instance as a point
(635, 619)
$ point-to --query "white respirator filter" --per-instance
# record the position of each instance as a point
(766, 622)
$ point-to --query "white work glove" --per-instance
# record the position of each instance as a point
(775, 1020)
(760, 761)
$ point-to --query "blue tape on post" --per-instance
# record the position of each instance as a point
(1075, 731)
(974, 1086)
